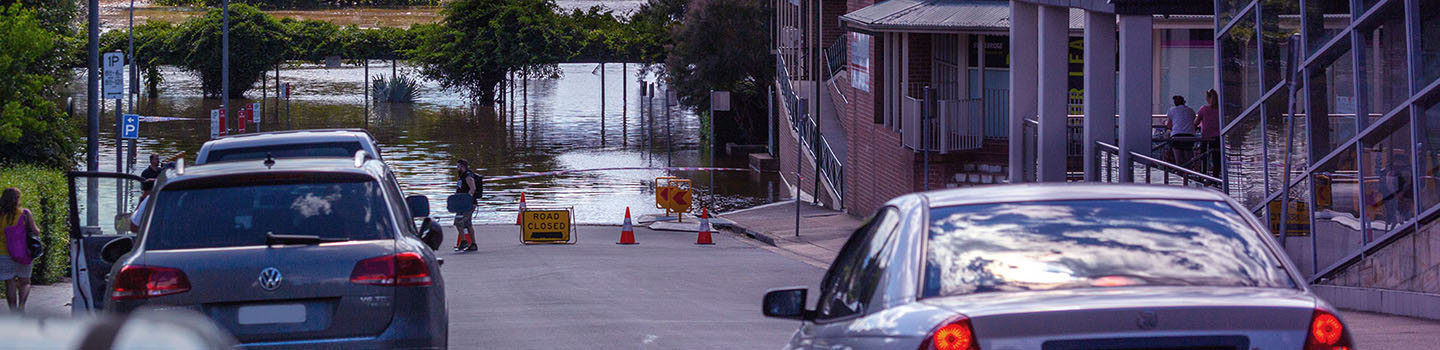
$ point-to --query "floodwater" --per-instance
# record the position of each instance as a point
(556, 125)
(115, 14)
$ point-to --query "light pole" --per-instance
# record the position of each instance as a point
(224, 58)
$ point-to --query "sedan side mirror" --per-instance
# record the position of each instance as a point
(419, 206)
(788, 303)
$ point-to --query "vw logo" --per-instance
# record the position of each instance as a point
(1147, 320)
(270, 278)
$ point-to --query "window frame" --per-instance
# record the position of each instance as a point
(862, 238)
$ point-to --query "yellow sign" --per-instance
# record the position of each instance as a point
(547, 226)
(1297, 219)
(674, 195)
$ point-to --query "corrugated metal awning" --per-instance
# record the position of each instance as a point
(940, 16)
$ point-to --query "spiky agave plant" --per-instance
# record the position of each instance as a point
(399, 89)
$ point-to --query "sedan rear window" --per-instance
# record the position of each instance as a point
(242, 215)
(306, 150)
(1094, 243)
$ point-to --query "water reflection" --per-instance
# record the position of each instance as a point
(559, 129)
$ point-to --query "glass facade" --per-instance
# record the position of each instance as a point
(1346, 169)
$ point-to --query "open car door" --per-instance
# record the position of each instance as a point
(100, 207)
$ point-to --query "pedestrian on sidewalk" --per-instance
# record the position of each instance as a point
(1208, 119)
(470, 184)
(19, 227)
(1181, 120)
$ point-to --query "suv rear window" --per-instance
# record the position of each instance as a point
(1094, 243)
(345, 208)
(305, 150)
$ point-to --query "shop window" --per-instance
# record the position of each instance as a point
(1187, 66)
(1383, 61)
(1389, 177)
(1245, 161)
(1324, 20)
(1332, 103)
(1240, 68)
(1337, 209)
(1429, 42)
(1429, 154)
(1280, 19)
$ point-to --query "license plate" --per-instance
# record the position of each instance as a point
(268, 314)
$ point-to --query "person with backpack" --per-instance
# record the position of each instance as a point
(19, 228)
(471, 185)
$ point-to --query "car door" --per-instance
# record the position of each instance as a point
(100, 208)
(851, 283)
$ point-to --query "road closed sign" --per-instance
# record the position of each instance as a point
(547, 226)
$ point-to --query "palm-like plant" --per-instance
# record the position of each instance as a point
(400, 89)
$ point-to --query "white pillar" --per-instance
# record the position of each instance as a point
(1053, 90)
(1137, 85)
(1023, 60)
(1099, 87)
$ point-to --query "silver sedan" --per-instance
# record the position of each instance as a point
(1061, 267)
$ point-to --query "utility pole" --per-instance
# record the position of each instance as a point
(92, 106)
(602, 104)
(366, 80)
(224, 58)
(926, 113)
(134, 77)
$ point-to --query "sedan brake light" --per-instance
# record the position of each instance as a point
(404, 269)
(955, 334)
(1327, 333)
(141, 282)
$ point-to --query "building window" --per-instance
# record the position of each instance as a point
(1277, 140)
(1324, 19)
(1240, 68)
(1337, 209)
(1429, 42)
(1383, 61)
(1228, 8)
(1298, 244)
(1332, 102)
(1245, 161)
(1385, 157)
(1279, 21)
(1429, 130)
(1187, 66)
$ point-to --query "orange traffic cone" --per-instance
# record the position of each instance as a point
(521, 212)
(627, 233)
(704, 236)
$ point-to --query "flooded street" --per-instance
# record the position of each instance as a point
(560, 128)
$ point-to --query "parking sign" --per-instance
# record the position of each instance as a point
(217, 123)
(130, 129)
(255, 113)
(114, 75)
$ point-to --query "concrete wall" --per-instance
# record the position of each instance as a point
(1401, 278)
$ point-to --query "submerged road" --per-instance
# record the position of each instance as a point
(665, 293)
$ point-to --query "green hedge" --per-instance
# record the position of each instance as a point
(44, 192)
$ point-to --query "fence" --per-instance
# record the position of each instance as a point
(830, 165)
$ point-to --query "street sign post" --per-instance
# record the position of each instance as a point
(114, 75)
(255, 115)
(243, 118)
(131, 128)
(217, 123)
(547, 226)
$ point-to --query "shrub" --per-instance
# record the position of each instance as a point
(33, 129)
(399, 88)
(44, 192)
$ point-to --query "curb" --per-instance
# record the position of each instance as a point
(755, 235)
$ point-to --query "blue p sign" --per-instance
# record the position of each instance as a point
(130, 129)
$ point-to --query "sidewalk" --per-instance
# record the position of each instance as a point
(822, 231)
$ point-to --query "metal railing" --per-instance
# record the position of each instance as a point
(1147, 169)
(953, 125)
(836, 57)
(831, 167)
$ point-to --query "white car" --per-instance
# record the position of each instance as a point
(1061, 267)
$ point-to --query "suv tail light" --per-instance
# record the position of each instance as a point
(141, 282)
(955, 334)
(404, 269)
(1327, 333)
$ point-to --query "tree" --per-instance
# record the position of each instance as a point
(480, 41)
(32, 128)
(723, 45)
(254, 39)
(651, 28)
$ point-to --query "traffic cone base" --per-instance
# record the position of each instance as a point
(627, 232)
(703, 237)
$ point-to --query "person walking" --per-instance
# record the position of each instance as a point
(153, 171)
(18, 226)
(470, 184)
(1208, 120)
(1181, 120)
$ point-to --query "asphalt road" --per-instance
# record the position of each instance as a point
(665, 293)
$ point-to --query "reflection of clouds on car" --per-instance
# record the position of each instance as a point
(310, 205)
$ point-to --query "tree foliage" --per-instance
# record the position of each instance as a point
(254, 39)
(480, 41)
(302, 4)
(33, 129)
(723, 45)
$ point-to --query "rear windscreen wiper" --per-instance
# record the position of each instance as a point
(273, 239)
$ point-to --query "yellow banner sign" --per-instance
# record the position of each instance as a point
(546, 226)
